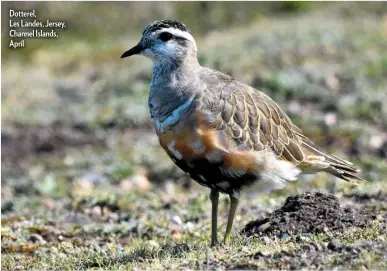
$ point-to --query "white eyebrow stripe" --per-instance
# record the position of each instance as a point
(176, 32)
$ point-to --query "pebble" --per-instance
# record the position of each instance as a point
(139, 182)
(95, 211)
(302, 239)
(264, 227)
(37, 238)
(114, 217)
(177, 220)
(264, 239)
(308, 247)
(189, 226)
(334, 244)
(351, 249)
(332, 82)
(317, 246)
(263, 253)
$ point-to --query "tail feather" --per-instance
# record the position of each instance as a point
(347, 174)
(344, 168)
(342, 160)
(334, 165)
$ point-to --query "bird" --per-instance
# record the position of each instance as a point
(225, 134)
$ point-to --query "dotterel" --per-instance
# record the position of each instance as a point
(227, 135)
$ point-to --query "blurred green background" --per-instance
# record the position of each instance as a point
(75, 122)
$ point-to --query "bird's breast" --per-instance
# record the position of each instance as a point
(188, 139)
(193, 139)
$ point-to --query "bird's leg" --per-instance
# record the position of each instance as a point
(214, 196)
(231, 215)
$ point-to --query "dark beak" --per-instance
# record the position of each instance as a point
(134, 51)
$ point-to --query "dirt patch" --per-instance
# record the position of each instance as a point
(366, 198)
(371, 203)
(309, 213)
(346, 257)
(19, 141)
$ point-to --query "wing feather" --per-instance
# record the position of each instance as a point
(253, 121)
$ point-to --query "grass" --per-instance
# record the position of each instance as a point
(192, 253)
(119, 231)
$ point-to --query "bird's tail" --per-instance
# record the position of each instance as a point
(317, 160)
(345, 172)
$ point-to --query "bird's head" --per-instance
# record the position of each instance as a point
(165, 41)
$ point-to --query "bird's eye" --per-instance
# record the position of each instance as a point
(165, 36)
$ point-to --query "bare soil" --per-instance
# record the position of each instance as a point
(310, 213)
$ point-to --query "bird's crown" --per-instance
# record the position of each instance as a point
(157, 25)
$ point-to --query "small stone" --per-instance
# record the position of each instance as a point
(96, 211)
(330, 119)
(302, 239)
(60, 238)
(37, 238)
(308, 247)
(114, 217)
(317, 246)
(264, 239)
(264, 227)
(177, 220)
(189, 226)
(334, 244)
(376, 141)
(68, 160)
(332, 82)
(262, 253)
(169, 187)
(139, 182)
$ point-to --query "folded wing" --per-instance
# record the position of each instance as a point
(251, 121)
